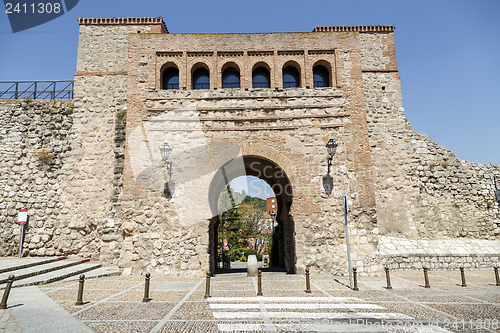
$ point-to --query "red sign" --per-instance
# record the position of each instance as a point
(23, 216)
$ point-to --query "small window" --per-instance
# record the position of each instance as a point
(231, 78)
(291, 77)
(321, 77)
(260, 78)
(171, 78)
(201, 79)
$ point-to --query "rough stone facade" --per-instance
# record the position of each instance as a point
(106, 201)
(38, 146)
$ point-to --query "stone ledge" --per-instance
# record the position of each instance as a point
(440, 262)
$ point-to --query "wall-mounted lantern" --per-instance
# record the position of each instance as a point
(168, 189)
(331, 149)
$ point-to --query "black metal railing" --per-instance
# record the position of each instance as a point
(36, 89)
(260, 84)
(201, 86)
(230, 85)
(171, 86)
(290, 84)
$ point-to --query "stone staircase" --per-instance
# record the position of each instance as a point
(33, 271)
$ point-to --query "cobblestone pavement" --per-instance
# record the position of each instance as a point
(114, 304)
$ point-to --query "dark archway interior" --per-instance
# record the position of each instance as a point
(272, 174)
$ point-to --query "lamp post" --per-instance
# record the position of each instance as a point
(273, 216)
(165, 150)
(331, 149)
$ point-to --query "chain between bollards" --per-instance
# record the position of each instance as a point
(146, 288)
(355, 277)
(207, 285)
(308, 282)
(79, 300)
(426, 278)
(462, 274)
(496, 276)
(388, 278)
(259, 283)
(3, 304)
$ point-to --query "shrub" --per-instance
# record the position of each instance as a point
(250, 252)
(235, 253)
(243, 259)
(45, 156)
(259, 257)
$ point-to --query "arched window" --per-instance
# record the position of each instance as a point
(171, 78)
(261, 78)
(321, 77)
(201, 79)
(291, 77)
(231, 78)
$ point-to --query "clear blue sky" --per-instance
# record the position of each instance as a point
(447, 52)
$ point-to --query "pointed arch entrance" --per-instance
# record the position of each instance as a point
(275, 176)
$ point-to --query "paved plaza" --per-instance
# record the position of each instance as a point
(114, 304)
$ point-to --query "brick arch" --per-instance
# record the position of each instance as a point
(197, 65)
(265, 152)
(328, 66)
(292, 63)
(270, 153)
(297, 66)
(169, 64)
(228, 64)
(261, 63)
(165, 65)
(271, 172)
(200, 64)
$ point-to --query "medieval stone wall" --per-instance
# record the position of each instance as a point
(37, 148)
(457, 198)
(100, 194)
(423, 190)
(99, 124)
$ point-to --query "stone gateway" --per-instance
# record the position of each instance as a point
(95, 183)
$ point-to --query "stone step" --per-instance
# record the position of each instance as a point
(96, 273)
(28, 272)
(12, 264)
(56, 275)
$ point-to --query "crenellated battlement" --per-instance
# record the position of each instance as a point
(355, 28)
(124, 21)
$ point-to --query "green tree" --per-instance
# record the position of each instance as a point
(230, 220)
(241, 219)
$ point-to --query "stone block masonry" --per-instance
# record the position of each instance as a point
(91, 176)
(37, 143)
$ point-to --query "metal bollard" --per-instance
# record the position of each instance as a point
(146, 289)
(259, 283)
(3, 304)
(207, 286)
(355, 277)
(426, 278)
(308, 282)
(388, 278)
(496, 276)
(462, 273)
(79, 300)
